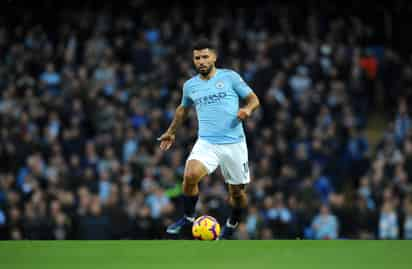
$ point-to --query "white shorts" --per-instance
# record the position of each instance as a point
(232, 159)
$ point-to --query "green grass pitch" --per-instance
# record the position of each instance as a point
(208, 254)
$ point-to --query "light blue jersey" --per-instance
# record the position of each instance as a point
(217, 104)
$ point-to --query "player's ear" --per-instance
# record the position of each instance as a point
(214, 54)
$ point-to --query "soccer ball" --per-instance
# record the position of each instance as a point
(205, 228)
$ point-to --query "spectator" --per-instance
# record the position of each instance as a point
(158, 203)
(407, 225)
(402, 122)
(252, 222)
(388, 222)
(277, 216)
(51, 79)
(364, 219)
(356, 154)
(94, 224)
(325, 225)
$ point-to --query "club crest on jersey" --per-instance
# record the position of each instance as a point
(220, 85)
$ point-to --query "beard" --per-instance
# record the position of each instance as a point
(205, 71)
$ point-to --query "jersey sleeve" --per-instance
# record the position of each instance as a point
(239, 85)
(186, 101)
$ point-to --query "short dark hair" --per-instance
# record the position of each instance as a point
(203, 43)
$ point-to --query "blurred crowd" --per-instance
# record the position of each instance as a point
(83, 100)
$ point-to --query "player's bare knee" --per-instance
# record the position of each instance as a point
(238, 196)
(243, 200)
(236, 190)
(191, 177)
(190, 181)
(194, 171)
(190, 189)
(235, 195)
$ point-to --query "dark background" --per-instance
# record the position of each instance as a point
(87, 87)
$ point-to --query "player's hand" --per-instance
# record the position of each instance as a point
(167, 140)
(244, 113)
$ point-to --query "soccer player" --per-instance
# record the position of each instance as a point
(221, 140)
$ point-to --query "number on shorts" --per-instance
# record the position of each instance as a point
(245, 167)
